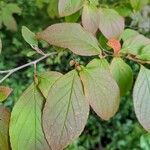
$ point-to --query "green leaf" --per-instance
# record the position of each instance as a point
(99, 63)
(134, 44)
(128, 33)
(46, 80)
(66, 111)
(53, 8)
(111, 24)
(100, 89)
(69, 7)
(145, 53)
(0, 45)
(4, 93)
(7, 16)
(4, 125)
(73, 18)
(29, 37)
(138, 4)
(71, 36)
(25, 124)
(145, 142)
(124, 10)
(90, 18)
(123, 74)
(94, 2)
(141, 97)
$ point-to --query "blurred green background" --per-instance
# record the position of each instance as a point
(122, 132)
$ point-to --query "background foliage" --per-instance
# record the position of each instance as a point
(122, 131)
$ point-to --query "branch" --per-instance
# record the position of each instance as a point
(137, 60)
(11, 71)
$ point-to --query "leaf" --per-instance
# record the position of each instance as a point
(128, 33)
(0, 45)
(46, 80)
(53, 8)
(66, 111)
(90, 18)
(144, 53)
(94, 2)
(71, 36)
(69, 7)
(145, 141)
(25, 124)
(73, 18)
(4, 125)
(141, 97)
(124, 10)
(138, 4)
(100, 89)
(7, 16)
(4, 93)
(115, 45)
(29, 37)
(99, 63)
(134, 44)
(123, 74)
(111, 24)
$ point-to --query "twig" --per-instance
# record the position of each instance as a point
(137, 60)
(11, 71)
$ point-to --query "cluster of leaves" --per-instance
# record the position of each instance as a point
(66, 98)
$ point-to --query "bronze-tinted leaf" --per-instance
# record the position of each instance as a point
(4, 125)
(111, 24)
(101, 89)
(4, 93)
(90, 18)
(71, 36)
(66, 111)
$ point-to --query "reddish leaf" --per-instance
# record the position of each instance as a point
(4, 124)
(4, 92)
(115, 45)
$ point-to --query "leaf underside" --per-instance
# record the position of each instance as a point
(4, 127)
(141, 98)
